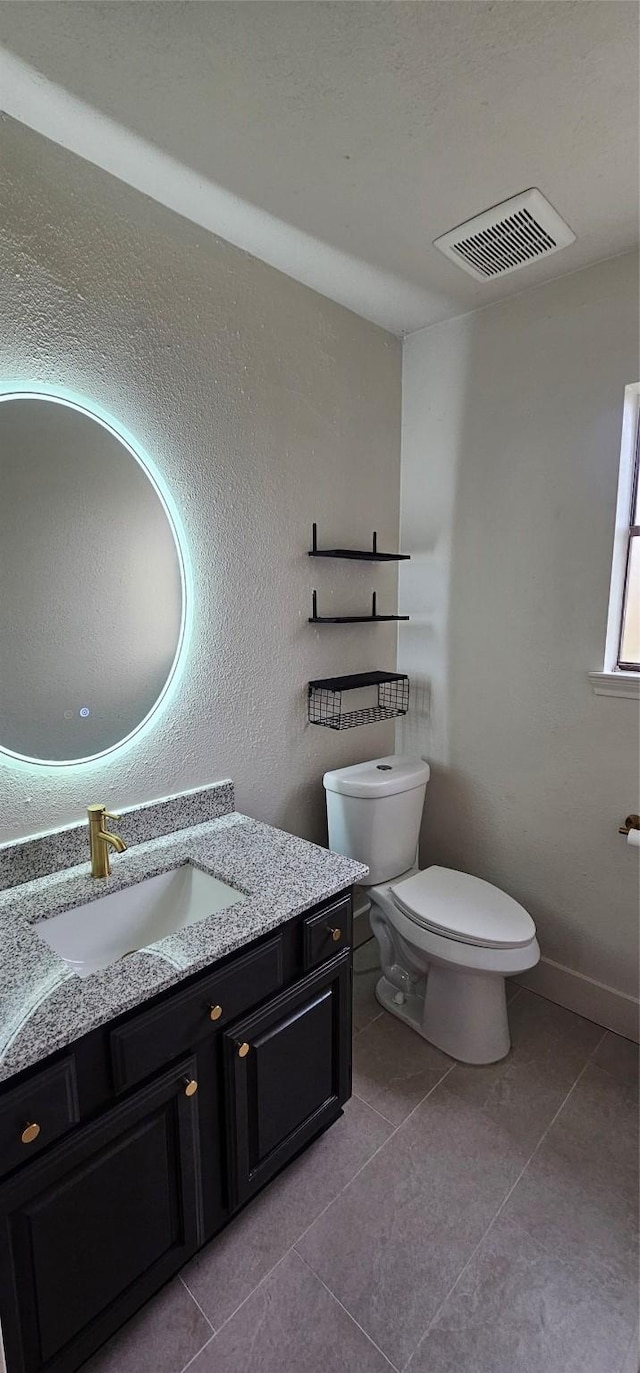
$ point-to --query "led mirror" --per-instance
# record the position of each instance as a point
(92, 586)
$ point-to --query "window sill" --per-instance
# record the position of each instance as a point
(625, 684)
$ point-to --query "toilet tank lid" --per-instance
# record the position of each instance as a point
(380, 777)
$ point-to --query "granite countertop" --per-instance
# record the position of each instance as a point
(44, 1005)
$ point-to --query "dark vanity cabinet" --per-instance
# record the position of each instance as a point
(125, 1153)
(95, 1226)
(287, 1071)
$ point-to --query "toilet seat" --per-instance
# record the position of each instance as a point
(457, 906)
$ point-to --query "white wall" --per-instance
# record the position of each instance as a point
(511, 434)
(266, 407)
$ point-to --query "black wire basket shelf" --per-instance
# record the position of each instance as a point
(325, 699)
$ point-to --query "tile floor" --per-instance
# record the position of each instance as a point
(455, 1220)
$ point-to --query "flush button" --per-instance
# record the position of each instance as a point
(383, 767)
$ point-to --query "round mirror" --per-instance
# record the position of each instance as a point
(92, 583)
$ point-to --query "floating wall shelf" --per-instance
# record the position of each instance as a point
(356, 554)
(373, 618)
(325, 699)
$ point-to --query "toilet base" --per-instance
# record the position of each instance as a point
(464, 1014)
(406, 1008)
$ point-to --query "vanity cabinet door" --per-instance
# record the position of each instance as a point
(288, 1073)
(90, 1232)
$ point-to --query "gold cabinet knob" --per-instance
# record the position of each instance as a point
(243, 1050)
(30, 1133)
(335, 933)
(190, 1086)
(215, 1012)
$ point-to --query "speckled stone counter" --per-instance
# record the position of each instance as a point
(44, 1006)
(22, 860)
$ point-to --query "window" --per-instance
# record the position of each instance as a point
(621, 674)
(629, 639)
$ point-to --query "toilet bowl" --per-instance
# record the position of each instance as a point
(449, 985)
(447, 940)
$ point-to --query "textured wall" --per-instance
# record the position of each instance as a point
(511, 442)
(265, 406)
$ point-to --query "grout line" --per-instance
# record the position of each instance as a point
(376, 1112)
(254, 1290)
(506, 1198)
(368, 1024)
(198, 1352)
(209, 1323)
(347, 1313)
(195, 1299)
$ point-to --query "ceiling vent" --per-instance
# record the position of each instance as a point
(520, 230)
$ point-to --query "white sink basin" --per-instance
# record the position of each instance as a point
(97, 934)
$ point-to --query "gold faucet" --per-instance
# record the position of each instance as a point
(100, 840)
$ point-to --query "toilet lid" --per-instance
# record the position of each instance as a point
(463, 907)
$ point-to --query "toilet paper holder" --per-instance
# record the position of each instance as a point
(632, 822)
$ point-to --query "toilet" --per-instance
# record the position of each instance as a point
(447, 940)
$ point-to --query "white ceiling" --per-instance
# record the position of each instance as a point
(336, 140)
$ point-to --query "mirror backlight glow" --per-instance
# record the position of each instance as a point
(82, 501)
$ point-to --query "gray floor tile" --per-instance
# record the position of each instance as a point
(517, 1309)
(394, 1068)
(550, 1047)
(541, 1024)
(600, 1118)
(632, 1360)
(619, 1056)
(290, 1324)
(579, 1196)
(394, 1242)
(366, 972)
(159, 1339)
(224, 1273)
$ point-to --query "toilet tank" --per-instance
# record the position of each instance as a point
(374, 812)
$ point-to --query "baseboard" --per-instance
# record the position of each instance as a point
(594, 1000)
